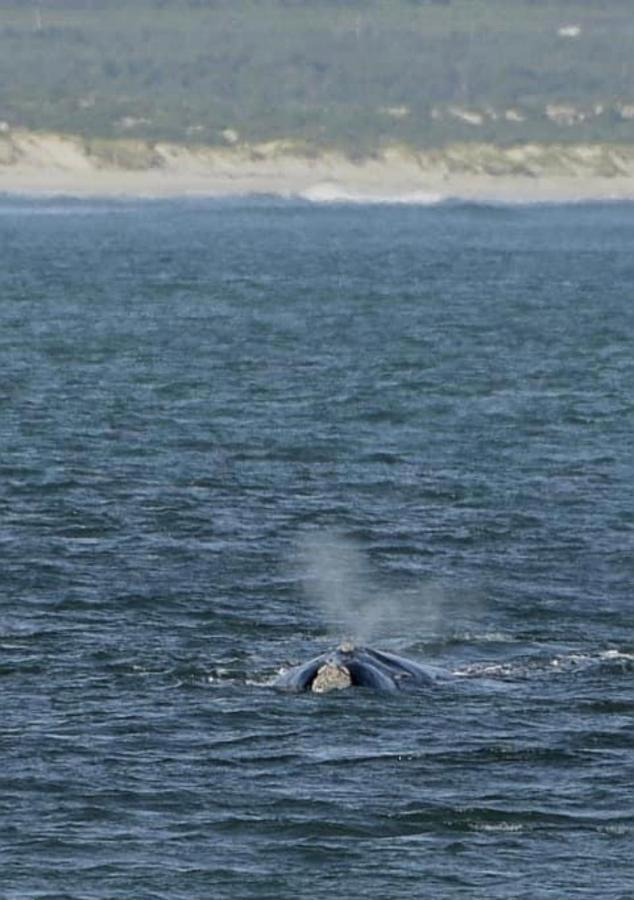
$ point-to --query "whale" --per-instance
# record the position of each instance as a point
(350, 665)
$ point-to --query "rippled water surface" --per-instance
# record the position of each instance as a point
(233, 433)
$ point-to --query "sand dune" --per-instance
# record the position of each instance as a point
(39, 163)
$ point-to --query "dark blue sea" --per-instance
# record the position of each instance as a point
(234, 433)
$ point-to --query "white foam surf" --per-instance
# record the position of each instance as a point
(329, 192)
(562, 664)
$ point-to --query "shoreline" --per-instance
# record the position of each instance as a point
(430, 191)
(51, 165)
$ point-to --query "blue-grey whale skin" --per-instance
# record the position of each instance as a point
(365, 667)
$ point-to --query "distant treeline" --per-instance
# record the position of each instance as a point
(353, 74)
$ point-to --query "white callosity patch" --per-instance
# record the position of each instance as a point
(331, 678)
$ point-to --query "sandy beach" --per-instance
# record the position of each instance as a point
(60, 165)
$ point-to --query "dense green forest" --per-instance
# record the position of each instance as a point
(351, 74)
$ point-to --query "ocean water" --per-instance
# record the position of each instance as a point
(234, 433)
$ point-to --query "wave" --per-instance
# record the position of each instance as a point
(329, 192)
(334, 194)
(565, 663)
(96, 202)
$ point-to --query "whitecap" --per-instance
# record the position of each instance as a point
(331, 192)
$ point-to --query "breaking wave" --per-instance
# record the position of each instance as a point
(330, 192)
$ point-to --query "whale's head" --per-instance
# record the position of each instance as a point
(331, 677)
(352, 665)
